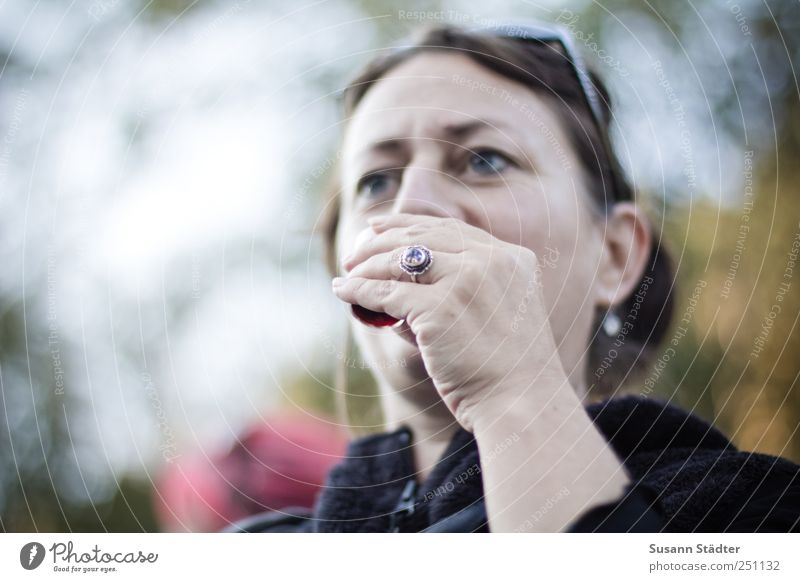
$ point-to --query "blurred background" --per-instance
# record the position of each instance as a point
(168, 340)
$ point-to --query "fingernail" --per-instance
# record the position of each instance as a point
(337, 281)
(346, 259)
(375, 221)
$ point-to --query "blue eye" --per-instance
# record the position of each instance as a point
(373, 185)
(488, 162)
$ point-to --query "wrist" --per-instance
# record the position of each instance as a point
(522, 400)
(539, 445)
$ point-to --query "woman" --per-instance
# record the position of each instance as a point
(481, 207)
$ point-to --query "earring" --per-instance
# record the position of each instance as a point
(611, 324)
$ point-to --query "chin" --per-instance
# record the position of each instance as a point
(396, 359)
(393, 353)
(399, 352)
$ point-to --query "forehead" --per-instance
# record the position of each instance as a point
(434, 90)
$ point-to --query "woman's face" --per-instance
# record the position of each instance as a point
(442, 135)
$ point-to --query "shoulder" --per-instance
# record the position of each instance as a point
(288, 520)
(751, 493)
(725, 490)
(774, 506)
(701, 481)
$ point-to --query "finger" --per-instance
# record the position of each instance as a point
(399, 299)
(385, 221)
(433, 235)
(387, 266)
(388, 221)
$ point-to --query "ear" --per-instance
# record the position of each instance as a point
(626, 249)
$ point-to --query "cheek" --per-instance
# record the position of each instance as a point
(378, 349)
(349, 236)
(569, 285)
(368, 343)
(568, 246)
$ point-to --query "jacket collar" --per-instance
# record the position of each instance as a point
(363, 490)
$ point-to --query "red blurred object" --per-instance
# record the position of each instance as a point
(273, 465)
(374, 318)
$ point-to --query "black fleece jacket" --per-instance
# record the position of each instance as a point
(686, 477)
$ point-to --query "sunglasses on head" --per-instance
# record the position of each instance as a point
(545, 33)
(551, 33)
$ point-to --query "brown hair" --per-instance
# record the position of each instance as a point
(646, 313)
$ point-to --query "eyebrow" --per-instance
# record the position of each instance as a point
(450, 132)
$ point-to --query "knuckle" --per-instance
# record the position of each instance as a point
(358, 286)
(518, 258)
(447, 222)
(528, 257)
(512, 261)
(415, 231)
(426, 333)
(386, 288)
(472, 271)
(464, 295)
(393, 263)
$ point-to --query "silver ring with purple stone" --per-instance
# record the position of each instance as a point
(415, 260)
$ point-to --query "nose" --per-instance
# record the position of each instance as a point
(427, 191)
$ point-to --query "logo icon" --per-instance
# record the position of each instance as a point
(31, 555)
